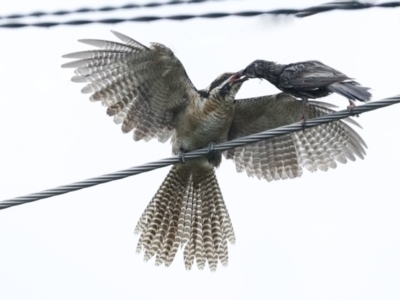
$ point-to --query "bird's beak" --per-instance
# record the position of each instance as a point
(238, 77)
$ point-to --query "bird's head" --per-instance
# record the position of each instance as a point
(227, 84)
(257, 69)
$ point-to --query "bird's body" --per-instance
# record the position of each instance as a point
(308, 80)
(148, 92)
(205, 120)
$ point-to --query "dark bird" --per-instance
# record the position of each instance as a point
(147, 91)
(308, 80)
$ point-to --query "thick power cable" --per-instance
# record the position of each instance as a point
(201, 152)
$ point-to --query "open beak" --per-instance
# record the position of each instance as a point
(238, 77)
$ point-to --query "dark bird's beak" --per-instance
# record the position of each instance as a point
(238, 77)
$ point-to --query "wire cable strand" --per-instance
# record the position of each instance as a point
(105, 8)
(301, 13)
(201, 152)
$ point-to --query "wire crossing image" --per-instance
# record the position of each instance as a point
(105, 8)
(301, 13)
(201, 152)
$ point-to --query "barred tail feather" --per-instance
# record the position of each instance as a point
(187, 212)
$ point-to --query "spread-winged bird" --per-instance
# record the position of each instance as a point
(147, 91)
(308, 80)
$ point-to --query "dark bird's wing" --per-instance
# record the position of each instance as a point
(309, 75)
(143, 87)
(283, 157)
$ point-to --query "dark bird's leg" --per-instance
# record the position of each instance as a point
(181, 156)
(213, 156)
(303, 111)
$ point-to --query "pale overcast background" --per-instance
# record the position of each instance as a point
(333, 235)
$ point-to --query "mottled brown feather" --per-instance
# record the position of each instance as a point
(317, 148)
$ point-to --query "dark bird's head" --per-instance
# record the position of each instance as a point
(227, 84)
(258, 69)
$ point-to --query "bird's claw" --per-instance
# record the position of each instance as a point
(181, 156)
(303, 122)
(351, 106)
(211, 147)
(212, 154)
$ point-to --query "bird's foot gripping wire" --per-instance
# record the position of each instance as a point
(303, 121)
(351, 106)
(181, 156)
(303, 112)
(213, 155)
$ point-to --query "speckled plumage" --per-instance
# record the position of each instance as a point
(148, 92)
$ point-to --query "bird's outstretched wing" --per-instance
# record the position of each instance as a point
(143, 87)
(283, 157)
(309, 75)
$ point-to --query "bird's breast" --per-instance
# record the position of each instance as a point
(204, 121)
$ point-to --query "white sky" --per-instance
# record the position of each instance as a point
(333, 235)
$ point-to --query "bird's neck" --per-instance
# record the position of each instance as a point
(217, 101)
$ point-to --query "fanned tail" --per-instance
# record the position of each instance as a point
(351, 90)
(188, 211)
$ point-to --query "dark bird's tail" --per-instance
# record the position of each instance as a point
(351, 90)
(187, 210)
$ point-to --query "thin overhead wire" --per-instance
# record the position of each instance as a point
(105, 8)
(301, 13)
(201, 152)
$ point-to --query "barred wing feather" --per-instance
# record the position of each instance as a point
(317, 148)
(144, 88)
